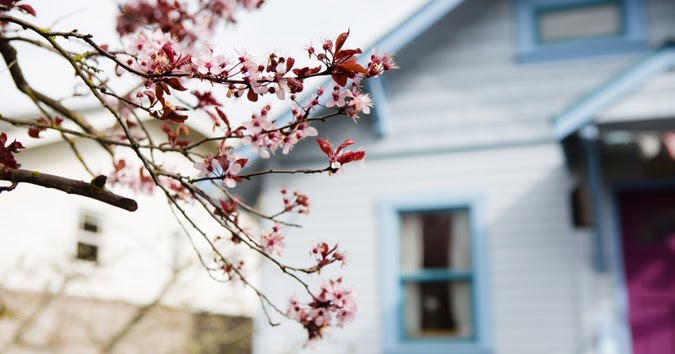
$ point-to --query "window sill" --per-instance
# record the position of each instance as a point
(581, 49)
(438, 348)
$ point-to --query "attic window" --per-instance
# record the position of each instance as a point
(592, 21)
(88, 237)
(87, 252)
(89, 223)
(559, 29)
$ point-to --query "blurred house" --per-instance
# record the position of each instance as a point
(79, 276)
(520, 189)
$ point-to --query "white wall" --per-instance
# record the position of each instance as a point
(533, 251)
(39, 233)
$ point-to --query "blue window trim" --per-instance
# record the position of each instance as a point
(632, 37)
(389, 212)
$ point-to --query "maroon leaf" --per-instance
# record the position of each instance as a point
(7, 152)
(289, 63)
(27, 9)
(175, 84)
(340, 41)
(353, 66)
(340, 79)
(351, 156)
(344, 145)
(295, 85)
(223, 117)
(306, 71)
(325, 147)
(252, 96)
(34, 132)
(241, 162)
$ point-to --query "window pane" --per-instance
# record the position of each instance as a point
(438, 309)
(90, 223)
(435, 240)
(87, 252)
(582, 22)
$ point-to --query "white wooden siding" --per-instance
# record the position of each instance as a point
(467, 117)
(532, 251)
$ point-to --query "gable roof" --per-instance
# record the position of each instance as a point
(411, 28)
(585, 110)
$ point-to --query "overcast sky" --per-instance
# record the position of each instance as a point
(281, 25)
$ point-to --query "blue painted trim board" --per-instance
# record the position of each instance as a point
(593, 172)
(380, 113)
(585, 110)
(394, 339)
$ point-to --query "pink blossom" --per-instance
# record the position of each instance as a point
(338, 98)
(273, 242)
(295, 310)
(207, 167)
(206, 63)
(360, 102)
(233, 168)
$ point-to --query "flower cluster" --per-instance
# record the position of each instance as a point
(352, 102)
(156, 53)
(230, 270)
(34, 131)
(297, 202)
(265, 138)
(7, 152)
(135, 179)
(335, 304)
(338, 158)
(163, 48)
(273, 242)
(225, 166)
(178, 17)
(325, 255)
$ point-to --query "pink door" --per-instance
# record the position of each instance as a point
(648, 227)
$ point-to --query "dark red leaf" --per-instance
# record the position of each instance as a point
(340, 79)
(27, 9)
(346, 54)
(34, 132)
(175, 84)
(306, 71)
(289, 64)
(168, 51)
(353, 67)
(295, 85)
(223, 117)
(350, 156)
(241, 162)
(325, 147)
(344, 145)
(252, 96)
(172, 115)
(340, 41)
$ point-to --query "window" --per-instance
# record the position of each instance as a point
(88, 238)
(434, 275)
(557, 29)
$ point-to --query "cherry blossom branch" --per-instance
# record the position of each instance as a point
(260, 173)
(10, 56)
(93, 189)
(165, 60)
